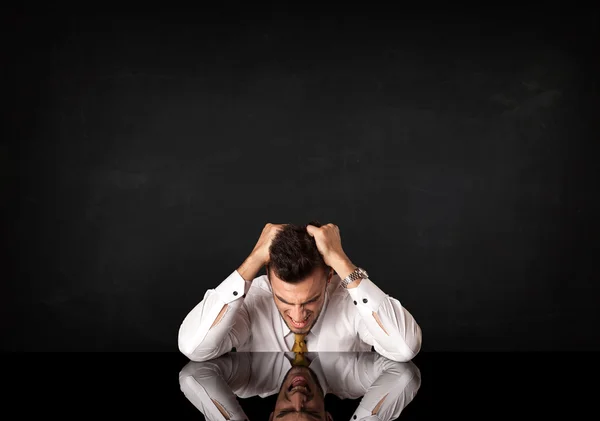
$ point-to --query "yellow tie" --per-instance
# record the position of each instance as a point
(299, 344)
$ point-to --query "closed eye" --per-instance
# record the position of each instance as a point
(312, 300)
(312, 414)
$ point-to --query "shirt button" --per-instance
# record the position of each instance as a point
(234, 292)
(354, 302)
(365, 300)
(354, 417)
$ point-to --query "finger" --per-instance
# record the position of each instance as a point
(311, 230)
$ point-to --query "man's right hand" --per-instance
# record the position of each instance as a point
(261, 249)
(260, 254)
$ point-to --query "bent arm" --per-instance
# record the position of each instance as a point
(210, 386)
(384, 323)
(390, 393)
(218, 323)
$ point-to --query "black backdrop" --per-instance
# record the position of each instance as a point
(144, 151)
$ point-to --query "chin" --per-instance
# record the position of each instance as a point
(300, 331)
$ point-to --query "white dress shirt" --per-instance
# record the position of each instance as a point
(252, 322)
(348, 375)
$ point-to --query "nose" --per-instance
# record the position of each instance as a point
(298, 313)
(298, 400)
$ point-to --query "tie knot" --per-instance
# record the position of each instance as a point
(299, 343)
(300, 360)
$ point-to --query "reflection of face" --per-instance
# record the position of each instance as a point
(300, 303)
(300, 397)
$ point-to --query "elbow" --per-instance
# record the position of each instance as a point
(412, 354)
(194, 353)
(185, 348)
(408, 348)
(189, 348)
(415, 343)
(402, 357)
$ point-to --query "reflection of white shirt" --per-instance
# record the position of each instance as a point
(253, 323)
(348, 375)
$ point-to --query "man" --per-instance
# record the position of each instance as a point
(299, 304)
(384, 387)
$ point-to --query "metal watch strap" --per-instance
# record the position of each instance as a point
(357, 273)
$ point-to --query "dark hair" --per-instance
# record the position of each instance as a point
(294, 254)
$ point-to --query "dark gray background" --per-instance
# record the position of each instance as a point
(143, 152)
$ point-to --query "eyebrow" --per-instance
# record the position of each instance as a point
(315, 298)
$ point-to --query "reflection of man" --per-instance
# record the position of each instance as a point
(300, 304)
(385, 387)
(300, 394)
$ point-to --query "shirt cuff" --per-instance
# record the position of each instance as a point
(362, 414)
(232, 288)
(367, 295)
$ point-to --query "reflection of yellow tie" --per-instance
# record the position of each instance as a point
(299, 344)
(300, 359)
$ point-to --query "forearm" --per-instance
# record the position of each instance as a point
(250, 267)
(343, 266)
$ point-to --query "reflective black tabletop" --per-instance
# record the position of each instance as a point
(337, 386)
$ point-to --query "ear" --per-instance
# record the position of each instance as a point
(330, 275)
(271, 417)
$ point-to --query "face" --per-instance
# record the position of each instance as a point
(300, 398)
(300, 303)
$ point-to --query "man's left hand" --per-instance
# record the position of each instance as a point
(329, 243)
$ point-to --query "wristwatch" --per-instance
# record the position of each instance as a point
(358, 273)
